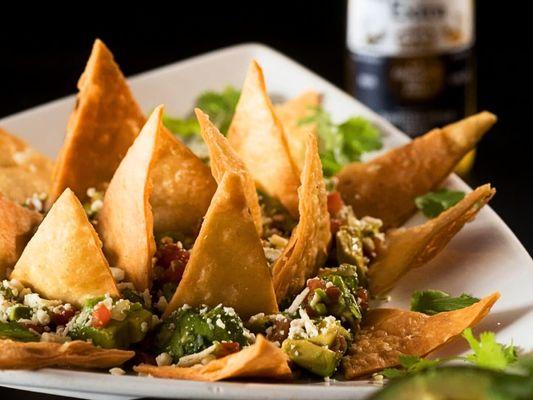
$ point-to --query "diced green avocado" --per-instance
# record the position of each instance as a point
(136, 330)
(317, 359)
(458, 383)
(17, 332)
(328, 338)
(116, 334)
(19, 312)
(189, 331)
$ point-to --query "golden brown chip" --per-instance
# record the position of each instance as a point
(291, 114)
(223, 158)
(388, 334)
(263, 359)
(103, 125)
(160, 186)
(77, 354)
(408, 248)
(257, 136)
(387, 186)
(64, 259)
(17, 224)
(227, 264)
(307, 247)
(23, 170)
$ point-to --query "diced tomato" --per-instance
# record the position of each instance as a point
(333, 293)
(228, 348)
(335, 203)
(101, 316)
(334, 225)
(172, 259)
(63, 317)
(36, 328)
(280, 330)
(362, 295)
(315, 283)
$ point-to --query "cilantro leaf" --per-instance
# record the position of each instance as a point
(410, 365)
(432, 302)
(433, 203)
(487, 352)
(185, 128)
(344, 143)
(220, 106)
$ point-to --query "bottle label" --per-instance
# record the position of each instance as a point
(409, 27)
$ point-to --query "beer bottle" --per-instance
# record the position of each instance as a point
(412, 60)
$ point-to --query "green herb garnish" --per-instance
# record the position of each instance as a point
(487, 352)
(220, 106)
(410, 365)
(344, 143)
(432, 302)
(433, 203)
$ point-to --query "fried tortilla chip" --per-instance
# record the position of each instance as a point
(408, 248)
(307, 247)
(223, 158)
(64, 259)
(23, 170)
(160, 186)
(78, 354)
(227, 264)
(17, 224)
(290, 114)
(388, 334)
(387, 186)
(103, 125)
(258, 137)
(263, 359)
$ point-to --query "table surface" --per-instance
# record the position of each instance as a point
(43, 60)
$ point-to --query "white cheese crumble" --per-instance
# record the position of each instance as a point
(298, 300)
(117, 371)
(197, 358)
(163, 359)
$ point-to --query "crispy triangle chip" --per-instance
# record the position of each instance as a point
(64, 259)
(408, 248)
(78, 354)
(223, 158)
(263, 359)
(388, 334)
(23, 170)
(227, 264)
(17, 224)
(307, 247)
(290, 114)
(103, 125)
(160, 186)
(258, 138)
(386, 187)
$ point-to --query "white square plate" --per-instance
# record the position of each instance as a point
(485, 257)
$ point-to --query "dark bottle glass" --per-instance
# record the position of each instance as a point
(412, 60)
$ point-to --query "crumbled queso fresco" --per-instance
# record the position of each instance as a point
(19, 304)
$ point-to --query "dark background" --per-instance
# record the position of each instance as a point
(44, 50)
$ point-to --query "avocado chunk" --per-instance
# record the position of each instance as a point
(191, 330)
(117, 334)
(312, 357)
(458, 383)
(17, 332)
(19, 312)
